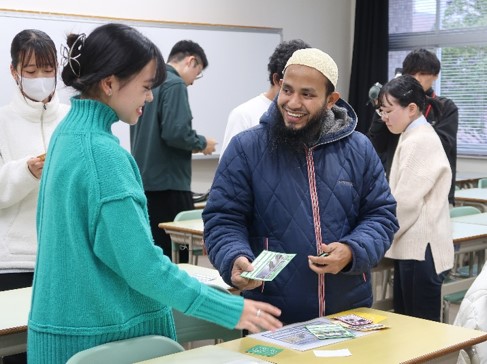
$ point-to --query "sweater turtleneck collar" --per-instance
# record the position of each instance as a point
(89, 114)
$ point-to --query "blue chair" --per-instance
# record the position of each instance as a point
(188, 215)
(483, 183)
(464, 211)
(127, 351)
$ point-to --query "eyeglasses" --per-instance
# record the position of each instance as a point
(199, 75)
(381, 113)
(384, 114)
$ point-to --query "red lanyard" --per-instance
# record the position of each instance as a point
(428, 109)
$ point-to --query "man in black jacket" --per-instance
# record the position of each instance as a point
(425, 67)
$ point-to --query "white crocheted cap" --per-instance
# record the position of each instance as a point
(317, 59)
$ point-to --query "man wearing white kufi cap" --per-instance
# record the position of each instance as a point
(302, 182)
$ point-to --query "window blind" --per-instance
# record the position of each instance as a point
(456, 30)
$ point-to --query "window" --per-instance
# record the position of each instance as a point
(456, 30)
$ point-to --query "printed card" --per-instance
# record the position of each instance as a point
(369, 327)
(354, 320)
(330, 331)
(264, 350)
(268, 265)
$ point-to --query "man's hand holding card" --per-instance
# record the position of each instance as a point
(268, 265)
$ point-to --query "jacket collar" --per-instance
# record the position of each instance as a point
(35, 111)
(172, 70)
(339, 122)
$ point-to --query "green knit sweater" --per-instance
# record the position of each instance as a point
(99, 277)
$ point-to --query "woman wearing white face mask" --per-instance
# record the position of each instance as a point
(26, 125)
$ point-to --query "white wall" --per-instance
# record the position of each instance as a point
(325, 24)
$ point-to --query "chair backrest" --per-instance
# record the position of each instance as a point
(127, 351)
(190, 328)
(189, 215)
(464, 211)
(483, 183)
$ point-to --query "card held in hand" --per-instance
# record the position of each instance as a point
(268, 265)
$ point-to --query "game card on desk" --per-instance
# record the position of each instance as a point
(268, 265)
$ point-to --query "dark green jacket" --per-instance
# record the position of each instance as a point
(163, 139)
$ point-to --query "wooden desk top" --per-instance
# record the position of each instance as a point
(479, 219)
(194, 227)
(472, 195)
(408, 340)
(14, 312)
(463, 232)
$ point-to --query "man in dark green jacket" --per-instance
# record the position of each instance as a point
(163, 140)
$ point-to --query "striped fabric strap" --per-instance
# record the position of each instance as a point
(317, 225)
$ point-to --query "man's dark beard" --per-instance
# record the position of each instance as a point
(297, 139)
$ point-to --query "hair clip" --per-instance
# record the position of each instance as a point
(67, 54)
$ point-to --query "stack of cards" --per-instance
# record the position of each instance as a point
(329, 331)
(358, 323)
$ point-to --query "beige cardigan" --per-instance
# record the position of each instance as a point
(420, 179)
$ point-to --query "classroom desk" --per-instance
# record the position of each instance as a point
(15, 307)
(408, 340)
(468, 179)
(187, 232)
(472, 196)
(467, 238)
(14, 312)
(206, 275)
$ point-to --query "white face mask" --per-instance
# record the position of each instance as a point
(38, 89)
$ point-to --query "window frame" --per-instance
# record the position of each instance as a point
(435, 40)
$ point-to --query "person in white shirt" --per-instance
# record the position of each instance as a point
(26, 125)
(420, 180)
(248, 114)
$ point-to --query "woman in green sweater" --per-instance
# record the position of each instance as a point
(99, 277)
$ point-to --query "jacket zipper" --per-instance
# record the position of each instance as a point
(43, 136)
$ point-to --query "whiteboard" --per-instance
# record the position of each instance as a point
(237, 57)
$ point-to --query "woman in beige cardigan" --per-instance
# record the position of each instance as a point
(420, 180)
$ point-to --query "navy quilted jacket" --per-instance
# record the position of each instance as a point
(261, 199)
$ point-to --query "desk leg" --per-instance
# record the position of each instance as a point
(481, 260)
(13, 344)
(190, 251)
(175, 254)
